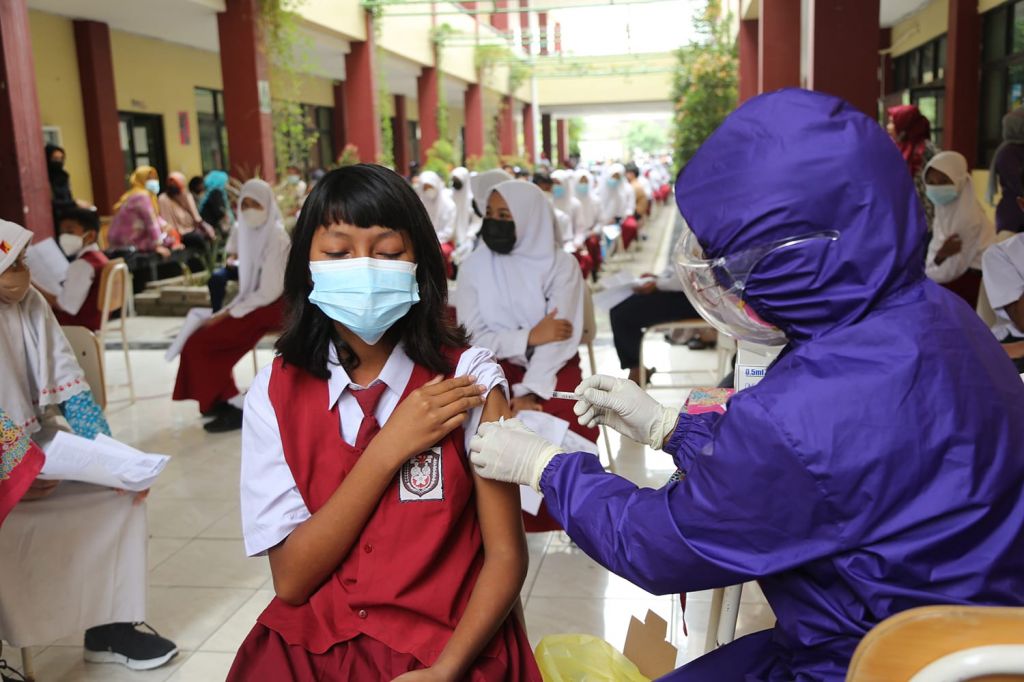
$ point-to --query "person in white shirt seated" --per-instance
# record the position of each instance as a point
(77, 303)
(1003, 271)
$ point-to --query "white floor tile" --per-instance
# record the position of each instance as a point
(189, 615)
(204, 666)
(229, 636)
(65, 663)
(211, 563)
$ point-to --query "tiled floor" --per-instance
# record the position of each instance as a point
(205, 594)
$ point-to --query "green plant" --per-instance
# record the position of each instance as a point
(576, 128)
(385, 106)
(485, 162)
(349, 156)
(704, 87)
(439, 36)
(488, 56)
(517, 160)
(647, 137)
(441, 158)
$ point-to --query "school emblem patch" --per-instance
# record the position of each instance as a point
(421, 477)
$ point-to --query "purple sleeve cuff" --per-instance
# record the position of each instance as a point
(693, 432)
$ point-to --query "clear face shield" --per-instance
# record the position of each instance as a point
(715, 286)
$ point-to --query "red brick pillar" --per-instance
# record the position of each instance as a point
(524, 24)
(563, 142)
(779, 45)
(499, 19)
(962, 65)
(244, 69)
(362, 115)
(528, 133)
(99, 105)
(426, 96)
(545, 137)
(401, 136)
(748, 59)
(338, 120)
(25, 195)
(507, 127)
(474, 103)
(542, 20)
(843, 51)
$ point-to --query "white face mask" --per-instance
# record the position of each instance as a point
(70, 244)
(254, 217)
(430, 193)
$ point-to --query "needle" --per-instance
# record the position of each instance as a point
(564, 395)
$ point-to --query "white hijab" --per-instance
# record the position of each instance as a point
(614, 201)
(37, 366)
(963, 216)
(463, 199)
(591, 210)
(482, 184)
(253, 240)
(441, 208)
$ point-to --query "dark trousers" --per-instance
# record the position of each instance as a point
(640, 311)
(218, 285)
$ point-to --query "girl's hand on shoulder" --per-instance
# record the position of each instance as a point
(427, 415)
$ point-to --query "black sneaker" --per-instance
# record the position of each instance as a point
(216, 411)
(125, 644)
(228, 420)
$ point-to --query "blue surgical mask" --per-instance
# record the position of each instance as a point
(583, 190)
(153, 186)
(940, 195)
(613, 182)
(367, 295)
(558, 191)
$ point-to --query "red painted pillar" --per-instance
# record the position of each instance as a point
(25, 198)
(362, 116)
(243, 66)
(339, 121)
(778, 45)
(843, 50)
(524, 24)
(499, 19)
(474, 103)
(507, 127)
(563, 142)
(542, 20)
(528, 133)
(962, 66)
(401, 136)
(558, 38)
(887, 74)
(748, 59)
(426, 96)
(99, 105)
(545, 136)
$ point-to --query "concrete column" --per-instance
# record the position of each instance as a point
(962, 82)
(528, 132)
(245, 73)
(563, 142)
(474, 103)
(401, 136)
(778, 45)
(545, 137)
(99, 105)
(843, 51)
(558, 38)
(507, 127)
(748, 59)
(426, 100)
(338, 120)
(362, 115)
(25, 198)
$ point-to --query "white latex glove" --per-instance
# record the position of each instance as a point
(625, 407)
(508, 451)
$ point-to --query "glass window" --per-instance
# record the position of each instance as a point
(940, 58)
(213, 134)
(1017, 30)
(915, 68)
(994, 35)
(900, 74)
(928, 63)
(206, 101)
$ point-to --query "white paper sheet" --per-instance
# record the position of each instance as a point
(556, 430)
(193, 321)
(48, 264)
(104, 461)
(617, 288)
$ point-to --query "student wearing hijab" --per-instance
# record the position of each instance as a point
(912, 133)
(583, 190)
(481, 185)
(215, 207)
(442, 212)
(1005, 171)
(60, 183)
(46, 543)
(136, 222)
(961, 231)
(209, 355)
(462, 196)
(178, 208)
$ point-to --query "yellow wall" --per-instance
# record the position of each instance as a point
(916, 30)
(347, 18)
(156, 77)
(60, 96)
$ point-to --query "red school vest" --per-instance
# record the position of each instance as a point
(409, 575)
(89, 314)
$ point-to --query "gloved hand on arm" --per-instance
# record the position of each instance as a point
(625, 407)
(508, 451)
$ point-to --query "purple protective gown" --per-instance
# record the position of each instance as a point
(878, 467)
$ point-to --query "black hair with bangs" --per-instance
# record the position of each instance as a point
(367, 195)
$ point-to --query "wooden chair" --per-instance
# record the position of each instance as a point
(90, 358)
(587, 336)
(942, 644)
(115, 296)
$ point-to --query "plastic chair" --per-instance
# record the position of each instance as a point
(115, 294)
(90, 358)
(587, 336)
(942, 644)
(694, 324)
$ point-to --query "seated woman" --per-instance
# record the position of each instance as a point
(137, 227)
(441, 210)
(209, 355)
(178, 208)
(590, 217)
(215, 207)
(522, 297)
(75, 560)
(960, 232)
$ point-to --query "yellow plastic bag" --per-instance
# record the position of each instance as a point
(583, 658)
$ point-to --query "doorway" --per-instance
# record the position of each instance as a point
(142, 143)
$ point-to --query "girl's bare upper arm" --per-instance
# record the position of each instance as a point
(498, 506)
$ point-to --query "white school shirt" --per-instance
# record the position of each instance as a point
(269, 277)
(272, 506)
(1003, 275)
(77, 283)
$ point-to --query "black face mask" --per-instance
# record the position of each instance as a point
(456, 184)
(172, 190)
(499, 235)
(56, 166)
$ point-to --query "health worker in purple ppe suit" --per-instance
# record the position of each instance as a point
(878, 466)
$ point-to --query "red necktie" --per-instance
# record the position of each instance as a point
(368, 399)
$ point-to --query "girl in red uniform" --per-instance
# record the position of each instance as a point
(390, 558)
